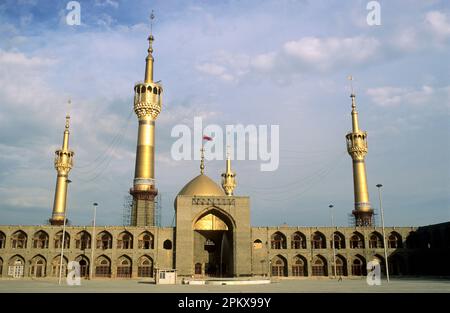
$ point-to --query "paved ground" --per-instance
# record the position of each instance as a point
(326, 285)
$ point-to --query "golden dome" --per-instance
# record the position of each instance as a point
(201, 185)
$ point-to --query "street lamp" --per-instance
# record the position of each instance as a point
(384, 234)
(332, 238)
(68, 181)
(91, 267)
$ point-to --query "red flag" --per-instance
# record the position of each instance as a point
(207, 138)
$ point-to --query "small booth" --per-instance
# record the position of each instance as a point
(165, 276)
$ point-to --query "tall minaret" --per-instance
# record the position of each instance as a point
(228, 178)
(63, 165)
(147, 106)
(357, 148)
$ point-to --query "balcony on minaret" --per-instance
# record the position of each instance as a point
(357, 144)
(147, 99)
(63, 160)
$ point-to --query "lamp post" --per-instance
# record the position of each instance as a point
(91, 267)
(68, 181)
(384, 234)
(332, 238)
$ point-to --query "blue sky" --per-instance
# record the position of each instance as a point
(251, 62)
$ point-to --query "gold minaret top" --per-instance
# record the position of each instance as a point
(63, 165)
(147, 106)
(357, 148)
(228, 178)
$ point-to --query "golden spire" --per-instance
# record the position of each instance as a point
(149, 60)
(357, 149)
(229, 177)
(63, 165)
(202, 161)
(147, 106)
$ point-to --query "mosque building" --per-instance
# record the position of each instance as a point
(213, 236)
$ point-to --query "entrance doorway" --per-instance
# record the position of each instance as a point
(213, 245)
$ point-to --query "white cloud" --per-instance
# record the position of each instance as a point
(215, 70)
(264, 62)
(393, 96)
(324, 53)
(103, 3)
(438, 23)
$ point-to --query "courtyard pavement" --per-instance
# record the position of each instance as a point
(407, 285)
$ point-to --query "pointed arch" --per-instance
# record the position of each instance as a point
(146, 240)
(145, 266)
(395, 240)
(16, 266)
(359, 267)
(38, 266)
(339, 240)
(104, 240)
(84, 265)
(279, 266)
(83, 240)
(58, 240)
(299, 266)
(218, 212)
(40, 240)
(375, 240)
(319, 266)
(124, 266)
(341, 265)
(298, 240)
(278, 240)
(1, 267)
(56, 265)
(2, 240)
(257, 244)
(103, 266)
(318, 240)
(125, 240)
(357, 241)
(19, 240)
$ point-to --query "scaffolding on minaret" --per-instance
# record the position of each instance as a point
(127, 210)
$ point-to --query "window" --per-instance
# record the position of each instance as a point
(19, 240)
(198, 268)
(145, 268)
(298, 241)
(299, 267)
(278, 241)
(167, 244)
(83, 240)
(124, 268)
(2, 240)
(103, 267)
(278, 267)
(357, 241)
(38, 265)
(339, 241)
(125, 241)
(104, 241)
(341, 266)
(394, 241)
(40, 240)
(375, 241)
(58, 240)
(145, 241)
(257, 244)
(55, 266)
(318, 241)
(319, 267)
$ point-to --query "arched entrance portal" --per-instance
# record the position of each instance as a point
(213, 244)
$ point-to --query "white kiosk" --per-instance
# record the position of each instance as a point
(165, 276)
